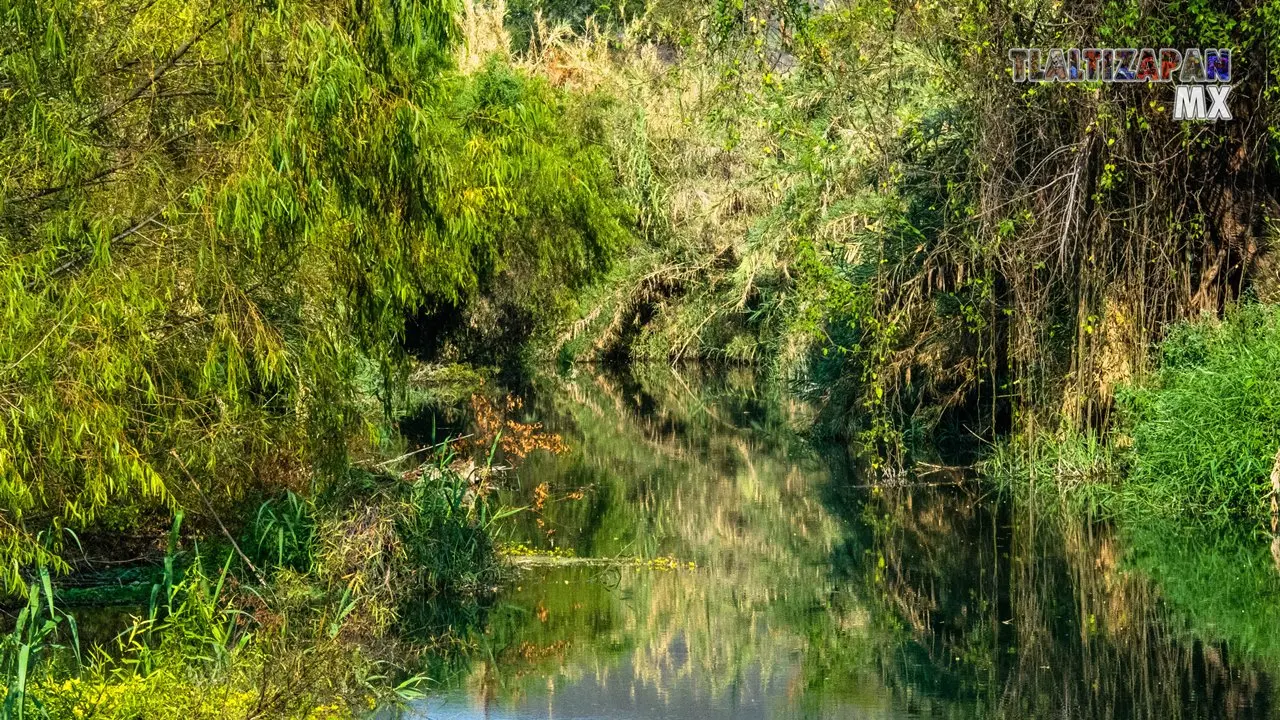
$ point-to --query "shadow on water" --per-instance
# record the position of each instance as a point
(815, 594)
(1019, 612)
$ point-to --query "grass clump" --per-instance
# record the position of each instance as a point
(1082, 464)
(1196, 439)
(315, 611)
(1206, 428)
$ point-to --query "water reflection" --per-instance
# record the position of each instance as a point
(1034, 614)
(815, 596)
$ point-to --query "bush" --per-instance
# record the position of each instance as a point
(314, 641)
(1206, 428)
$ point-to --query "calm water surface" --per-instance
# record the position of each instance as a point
(814, 594)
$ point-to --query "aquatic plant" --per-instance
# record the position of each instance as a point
(24, 648)
(282, 534)
(211, 644)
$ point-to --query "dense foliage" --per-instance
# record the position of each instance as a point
(870, 206)
(1206, 428)
(217, 216)
(231, 229)
(1197, 440)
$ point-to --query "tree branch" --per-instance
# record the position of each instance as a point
(159, 72)
(208, 505)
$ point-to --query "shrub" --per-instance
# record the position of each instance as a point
(1206, 427)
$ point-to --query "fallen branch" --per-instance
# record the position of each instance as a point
(425, 448)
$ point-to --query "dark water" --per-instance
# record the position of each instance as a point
(813, 595)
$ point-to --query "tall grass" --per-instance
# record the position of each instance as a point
(283, 533)
(1197, 439)
(1206, 428)
(320, 639)
(860, 218)
(1079, 467)
(33, 637)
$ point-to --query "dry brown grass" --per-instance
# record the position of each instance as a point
(697, 195)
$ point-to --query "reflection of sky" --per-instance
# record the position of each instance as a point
(623, 696)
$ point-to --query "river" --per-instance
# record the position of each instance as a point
(736, 571)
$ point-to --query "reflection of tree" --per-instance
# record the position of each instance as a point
(832, 599)
(703, 469)
(1029, 614)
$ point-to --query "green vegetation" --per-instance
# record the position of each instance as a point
(220, 215)
(815, 594)
(260, 259)
(312, 621)
(871, 211)
(226, 230)
(1206, 428)
(192, 655)
(870, 208)
(1197, 439)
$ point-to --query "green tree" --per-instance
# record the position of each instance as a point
(214, 212)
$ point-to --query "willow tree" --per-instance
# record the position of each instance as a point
(212, 212)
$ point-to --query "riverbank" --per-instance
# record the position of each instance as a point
(870, 210)
(1198, 440)
(246, 249)
(229, 232)
(684, 546)
(317, 608)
